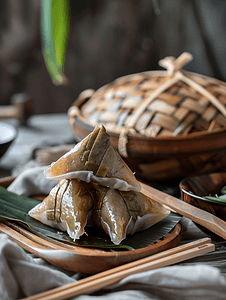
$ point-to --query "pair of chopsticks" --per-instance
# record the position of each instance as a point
(100, 280)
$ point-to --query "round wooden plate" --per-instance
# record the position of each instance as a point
(81, 259)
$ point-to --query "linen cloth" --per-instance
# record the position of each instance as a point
(32, 181)
(22, 274)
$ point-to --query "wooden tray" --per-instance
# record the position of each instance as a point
(79, 259)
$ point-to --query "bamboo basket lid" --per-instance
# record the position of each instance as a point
(158, 103)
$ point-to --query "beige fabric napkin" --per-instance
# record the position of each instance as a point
(22, 275)
(32, 181)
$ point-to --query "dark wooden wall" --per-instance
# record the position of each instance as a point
(108, 39)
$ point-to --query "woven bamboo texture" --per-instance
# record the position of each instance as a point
(160, 106)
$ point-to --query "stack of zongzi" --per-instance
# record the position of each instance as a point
(94, 181)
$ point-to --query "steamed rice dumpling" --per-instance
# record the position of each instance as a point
(94, 159)
(66, 207)
(94, 181)
(122, 213)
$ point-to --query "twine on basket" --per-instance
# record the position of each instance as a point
(174, 74)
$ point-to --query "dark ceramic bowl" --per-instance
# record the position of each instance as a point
(8, 134)
(195, 188)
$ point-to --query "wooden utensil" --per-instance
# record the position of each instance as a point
(114, 275)
(81, 259)
(193, 213)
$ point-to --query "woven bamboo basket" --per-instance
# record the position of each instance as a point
(165, 124)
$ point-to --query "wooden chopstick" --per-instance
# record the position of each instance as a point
(100, 280)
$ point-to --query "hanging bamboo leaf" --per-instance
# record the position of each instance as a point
(16, 208)
(55, 23)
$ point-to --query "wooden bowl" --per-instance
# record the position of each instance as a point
(8, 133)
(81, 259)
(195, 188)
(163, 129)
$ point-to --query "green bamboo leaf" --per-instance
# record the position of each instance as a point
(16, 208)
(60, 29)
(54, 22)
(216, 198)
